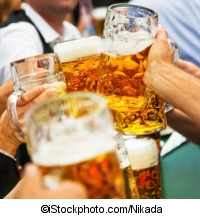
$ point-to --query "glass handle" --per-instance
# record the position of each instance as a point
(174, 46)
(13, 117)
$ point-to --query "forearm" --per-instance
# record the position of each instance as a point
(176, 87)
(8, 142)
(184, 125)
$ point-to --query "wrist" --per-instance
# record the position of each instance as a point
(8, 145)
(8, 142)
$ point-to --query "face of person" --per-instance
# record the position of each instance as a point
(62, 4)
(57, 6)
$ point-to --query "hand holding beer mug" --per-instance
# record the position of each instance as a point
(144, 159)
(80, 62)
(29, 73)
(129, 32)
(72, 138)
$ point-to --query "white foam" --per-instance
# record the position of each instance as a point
(70, 50)
(69, 142)
(67, 151)
(142, 152)
(99, 13)
(127, 42)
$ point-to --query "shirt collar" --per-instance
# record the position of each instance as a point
(48, 33)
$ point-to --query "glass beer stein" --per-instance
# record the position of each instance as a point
(129, 31)
(144, 159)
(29, 73)
(149, 120)
(80, 62)
(72, 138)
(131, 190)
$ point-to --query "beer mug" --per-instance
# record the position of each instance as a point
(99, 15)
(80, 62)
(131, 190)
(31, 72)
(72, 138)
(149, 120)
(129, 31)
(144, 159)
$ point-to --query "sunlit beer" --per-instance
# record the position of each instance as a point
(146, 121)
(143, 155)
(72, 138)
(80, 62)
(129, 32)
(126, 43)
(121, 81)
(99, 15)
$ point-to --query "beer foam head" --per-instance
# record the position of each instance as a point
(76, 49)
(99, 13)
(70, 142)
(126, 42)
(65, 150)
(142, 152)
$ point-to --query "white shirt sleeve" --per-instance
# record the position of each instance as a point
(17, 40)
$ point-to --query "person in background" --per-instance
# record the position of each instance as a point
(80, 16)
(33, 30)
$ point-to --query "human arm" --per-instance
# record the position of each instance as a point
(31, 187)
(189, 68)
(169, 81)
(9, 143)
(184, 125)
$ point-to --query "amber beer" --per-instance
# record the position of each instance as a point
(98, 170)
(146, 121)
(121, 75)
(96, 173)
(80, 62)
(143, 155)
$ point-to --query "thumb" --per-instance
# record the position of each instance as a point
(27, 187)
(161, 34)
